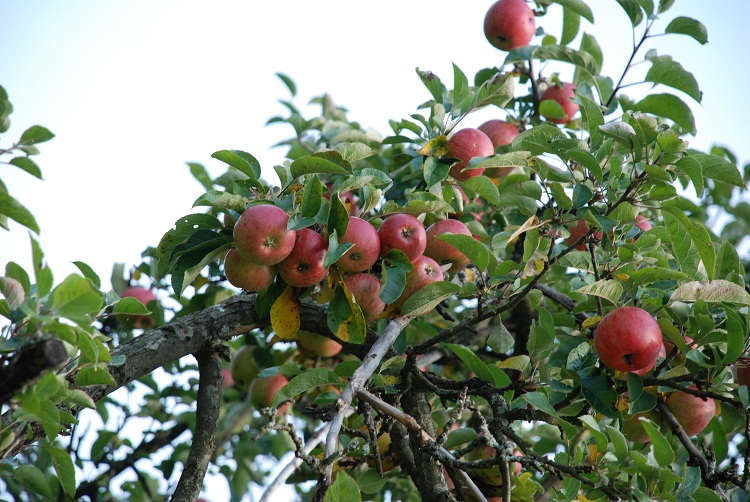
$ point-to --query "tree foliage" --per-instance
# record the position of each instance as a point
(485, 384)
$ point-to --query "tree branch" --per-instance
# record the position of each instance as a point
(29, 363)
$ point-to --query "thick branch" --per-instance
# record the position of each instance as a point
(206, 417)
(28, 364)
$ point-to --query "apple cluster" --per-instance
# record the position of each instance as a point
(265, 248)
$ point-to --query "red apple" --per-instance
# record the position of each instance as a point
(692, 412)
(509, 24)
(562, 95)
(304, 265)
(318, 345)
(242, 273)
(465, 145)
(145, 296)
(425, 271)
(263, 390)
(403, 232)
(366, 248)
(501, 133)
(243, 368)
(628, 339)
(366, 291)
(662, 354)
(441, 251)
(226, 377)
(261, 236)
(642, 223)
(577, 232)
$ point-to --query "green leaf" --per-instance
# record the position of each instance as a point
(352, 151)
(433, 84)
(716, 291)
(477, 252)
(316, 377)
(88, 273)
(344, 489)
(497, 90)
(35, 135)
(15, 271)
(184, 228)
(345, 318)
(199, 173)
(396, 266)
(77, 396)
(668, 106)
(426, 299)
(577, 6)
(633, 10)
(619, 442)
(704, 494)
(222, 200)
(609, 289)
(565, 54)
(541, 335)
(500, 340)
(736, 330)
(712, 166)
(650, 275)
(34, 479)
(243, 161)
(537, 140)
(13, 292)
(600, 394)
(27, 165)
(75, 298)
(698, 239)
(472, 361)
(639, 400)
(663, 452)
(17, 212)
(671, 73)
(329, 162)
(371, 482)
(288, 82)
(690, 27)
(571, 25)
(592, 115)
(189, 258)
(461, 92)
(485, 188)
(338, 216)
(582, 194)
(95, 374)
(130, 306)
(63, 464)
(312, 198)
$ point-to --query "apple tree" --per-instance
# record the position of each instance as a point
(539, 308)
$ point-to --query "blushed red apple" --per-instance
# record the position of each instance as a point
(441, 251)
(261, 236)
(403, 232)
(628, 339)
(425, 271)
(366, 248)
(317, 344)
(304, 265)
(509, 24)
(642, 223)
(263, 390)
(563, 95)
(692, 412)
(662, 354)
(366, 291)
(243, 368)
(464, 145)
(243, 273)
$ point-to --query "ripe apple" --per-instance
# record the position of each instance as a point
(145, 296)
(403, 232)
(425, 271)
(501, 133)
(243, 273)
(642, 223)
(243, 368)
(662, 354)
(628, 339)
(509, 24)
(263, 390)
(576, 233)
(441, 251)
(261, 236)
(692, 412)
(366, 248)
(226, 377)
(366, 291)
(318, 345)
(465, 145)
(304, 265)
(563, 96)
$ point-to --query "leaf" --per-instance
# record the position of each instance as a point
(633, 10)
(600, 394)
(199, 173)
(712, 166)
(500, 340)
(371, 482)
(461, 92)
(285, 317)
(541, 336)
(329, 162)
(345, 318)
(338, 216)
(672, 74)
(497, 90)
(609, 289)
(243, 161)
(27, 165)
(184, 228)
(316, 377)
(335, 249)
(63, 464)
(198, 253)
(650, 275)
(472, 361)
(352, 151)
(663, 452)
(426, 299)
(668, 106)
(288, 82)
(639, 399)
(34, 479)
(130, 306)
(485, 188)
(35, 135)
(396, 266)
(76, 298)
(477, 252)
(699, 239)
(344, 489)
(222, 200)
(17, 212)
(592, 115)
(577, 6)
(716, 291)
(537, 140)
(433, 84)
(690, 27)
(437, 146)
(95, 374)
(13, 292)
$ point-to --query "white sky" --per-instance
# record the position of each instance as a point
(135, 89)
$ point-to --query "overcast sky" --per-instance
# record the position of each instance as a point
(135, 89)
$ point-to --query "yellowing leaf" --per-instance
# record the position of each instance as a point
(436, 147)
(285, 315)
(591, 321)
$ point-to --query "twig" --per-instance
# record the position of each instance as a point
(357, 382)
(678, 431)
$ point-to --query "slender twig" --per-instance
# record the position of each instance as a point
(678, 431)
(636, 48)
(358, 381)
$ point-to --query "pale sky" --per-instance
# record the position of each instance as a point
(133, 90)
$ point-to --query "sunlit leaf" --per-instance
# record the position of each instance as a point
(285, 317)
